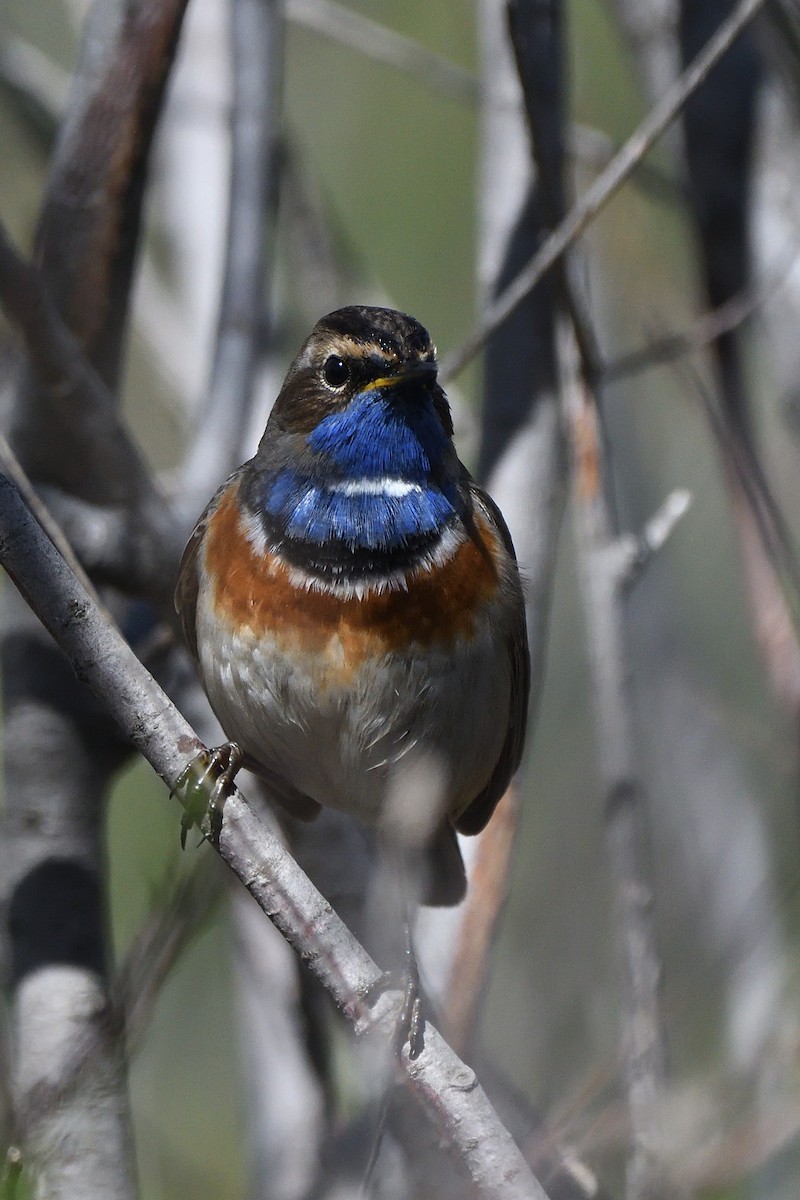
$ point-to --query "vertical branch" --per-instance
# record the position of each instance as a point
(61, 749)
(521, 455)
(256, 44)
(605, 561)
(88, 229)
(719, 161)
(651, 31)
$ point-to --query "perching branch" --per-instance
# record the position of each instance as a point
(100, 656)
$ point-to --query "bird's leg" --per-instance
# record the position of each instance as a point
(393, 912)
(410, 1021)
(204, 786)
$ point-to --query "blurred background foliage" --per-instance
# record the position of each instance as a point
(394, 166)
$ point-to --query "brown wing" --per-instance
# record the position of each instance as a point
(476, 816)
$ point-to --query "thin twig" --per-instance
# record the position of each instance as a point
(383, 45)
(522, 464)
(604, 187)
(591, 147)
(656, 533)
(753, 487)
(709, 326)
(183, 908)
(446, 1087)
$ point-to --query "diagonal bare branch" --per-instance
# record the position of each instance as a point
(447, 1088)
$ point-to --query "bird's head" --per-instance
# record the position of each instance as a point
(358, 448)
(363, 357)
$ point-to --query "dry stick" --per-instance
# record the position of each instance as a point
(605, 563)
(752, 491)
(135, 987)
(536, 40)
(606, 184)
(280, 1134)
(101, 658)
(751, 487)
(12, 467)
(59, 755)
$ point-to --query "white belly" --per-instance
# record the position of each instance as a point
(347, 738)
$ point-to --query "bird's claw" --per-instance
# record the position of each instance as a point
(204, 786)
(409, 1024)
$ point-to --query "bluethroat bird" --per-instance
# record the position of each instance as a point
(353, 602)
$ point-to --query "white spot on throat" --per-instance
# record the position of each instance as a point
(386, 485)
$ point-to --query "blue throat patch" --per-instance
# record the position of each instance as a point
(372, 480)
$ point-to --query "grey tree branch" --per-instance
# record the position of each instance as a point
(604, 187)
(256, 40)
(605, 560)
(99, 655)
(88, 228)
(605, 563)
(104, 467)
(61, 749)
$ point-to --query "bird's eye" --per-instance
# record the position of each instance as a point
(336, 371)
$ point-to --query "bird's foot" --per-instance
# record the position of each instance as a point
(204, 786)
(409, 1024)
